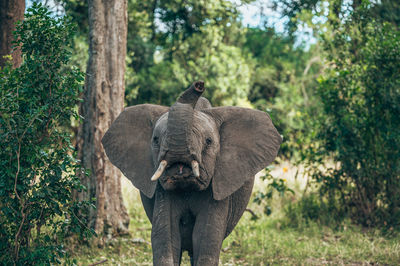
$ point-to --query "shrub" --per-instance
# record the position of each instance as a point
(359, 128)
(37, 163)
(312, 208)
(275, 185)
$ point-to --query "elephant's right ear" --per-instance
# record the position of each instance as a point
(127, 144)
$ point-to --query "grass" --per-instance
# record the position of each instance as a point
(266, 242)
(269, 240)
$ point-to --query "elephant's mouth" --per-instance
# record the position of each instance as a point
(180, 176)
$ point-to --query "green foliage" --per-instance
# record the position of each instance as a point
(359, 127)
(314, 208)
(174, 43)
(274, 185)
(351, 150)
(77, 10)
(170, 44)
(321, 15)
(38, 170)
(293, 9)
(343, 129)
(283, 83)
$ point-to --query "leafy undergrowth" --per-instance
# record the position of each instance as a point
(265, 241)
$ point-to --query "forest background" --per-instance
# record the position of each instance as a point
(328, 74)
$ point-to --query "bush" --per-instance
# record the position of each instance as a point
(37, 164)
(275, 185)
(313, 208)
(359, 128)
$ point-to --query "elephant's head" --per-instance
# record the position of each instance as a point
(190, 145)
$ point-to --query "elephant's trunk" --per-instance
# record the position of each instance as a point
(179, 128)
(192, 94)
(179, 131)
(180, 122)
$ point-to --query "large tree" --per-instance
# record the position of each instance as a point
(103, 101)
(11, 11)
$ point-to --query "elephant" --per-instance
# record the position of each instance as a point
(194, 165)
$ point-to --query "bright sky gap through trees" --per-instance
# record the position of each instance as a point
(256, 14)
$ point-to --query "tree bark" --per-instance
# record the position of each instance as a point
(10, 12)
(103, 101)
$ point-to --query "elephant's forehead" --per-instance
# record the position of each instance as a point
(202, 122)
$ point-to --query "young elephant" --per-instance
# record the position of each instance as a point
(194, 166)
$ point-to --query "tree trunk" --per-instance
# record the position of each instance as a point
(10, 12)
(103, 101)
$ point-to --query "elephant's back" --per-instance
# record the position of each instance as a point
(237, 205)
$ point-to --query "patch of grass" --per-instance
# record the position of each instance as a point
(266, 241)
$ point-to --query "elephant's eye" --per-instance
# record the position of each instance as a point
(155, 140)
(208, 141)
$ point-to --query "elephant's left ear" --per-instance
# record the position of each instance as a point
(248, 143)
(127, 144)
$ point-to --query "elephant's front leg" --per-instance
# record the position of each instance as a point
(165, 236)
(209, 230)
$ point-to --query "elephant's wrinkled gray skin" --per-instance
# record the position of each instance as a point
(191, 209)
